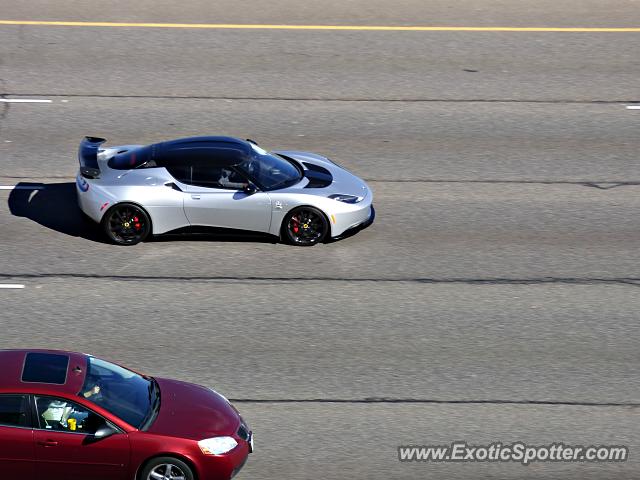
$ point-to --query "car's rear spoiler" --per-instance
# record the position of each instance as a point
(88, 156)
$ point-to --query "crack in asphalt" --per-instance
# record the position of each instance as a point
(4, 108)
(345, 99)
(635, 281)
(599, 184)
(383, 400)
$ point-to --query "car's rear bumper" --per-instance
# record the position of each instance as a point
(87, 200)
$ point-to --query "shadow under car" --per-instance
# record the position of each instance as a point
(55, 206)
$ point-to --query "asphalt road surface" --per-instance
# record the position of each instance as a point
(495, 298)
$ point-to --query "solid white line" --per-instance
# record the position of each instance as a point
(21, 187)
(23, 100)
(11, 285)
(633, 107)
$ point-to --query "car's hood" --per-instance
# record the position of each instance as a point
(193, 411)
(342, 181)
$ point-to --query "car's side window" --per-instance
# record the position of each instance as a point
(13, 411)
(211, 176)
(65, 416)
(208, 176)
(182, 173)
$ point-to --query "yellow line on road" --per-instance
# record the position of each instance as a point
(215, 26)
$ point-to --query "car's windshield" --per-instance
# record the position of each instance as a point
(269, 171)
(127, 395)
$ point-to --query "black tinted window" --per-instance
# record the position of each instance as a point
(209, 176)
(13, 410)
(45, 368)
(182, 173)
(222, 154)
(206, 176)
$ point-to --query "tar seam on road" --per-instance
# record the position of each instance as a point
(4, 110)
(437, 402)
(599, 184)
(635, 281)
(387, 28)
(346, 99)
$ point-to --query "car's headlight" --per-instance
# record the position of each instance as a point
(345, 198)
(217, 445)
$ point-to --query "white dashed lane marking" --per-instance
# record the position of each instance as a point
(11, 285)
(21, 187)
(23, 100)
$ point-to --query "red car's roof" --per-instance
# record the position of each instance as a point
(12, 365)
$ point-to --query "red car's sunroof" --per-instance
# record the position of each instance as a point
(45, 368)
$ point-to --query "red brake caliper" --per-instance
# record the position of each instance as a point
(296, 225)
(137, 223)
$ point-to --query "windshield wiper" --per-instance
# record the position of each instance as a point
(154, 404)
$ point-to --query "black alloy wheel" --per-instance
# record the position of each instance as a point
(305, 226)
(126, 224)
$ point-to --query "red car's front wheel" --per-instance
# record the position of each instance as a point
(166, 468)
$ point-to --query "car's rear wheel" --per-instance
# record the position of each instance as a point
(166, 468)
(305, 226)
(126, 224)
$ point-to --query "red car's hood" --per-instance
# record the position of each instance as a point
(193, 411)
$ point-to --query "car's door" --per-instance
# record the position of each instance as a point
(17, 457)
(215, 198)
(67, 449)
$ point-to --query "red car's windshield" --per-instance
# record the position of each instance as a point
(127, 395)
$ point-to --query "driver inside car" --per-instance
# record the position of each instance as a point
(230, 179)
(92, 391)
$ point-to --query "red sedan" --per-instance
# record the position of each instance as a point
(72, 416)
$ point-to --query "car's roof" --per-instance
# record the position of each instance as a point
(205, 150)
(224, 151)
(12, 366)
(208, 140)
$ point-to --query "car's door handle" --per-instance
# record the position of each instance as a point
(48, 443)
(195, 197)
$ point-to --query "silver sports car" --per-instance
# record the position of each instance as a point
(138, 190)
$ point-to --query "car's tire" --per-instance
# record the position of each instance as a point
(305, 227)
(166, 468)
(126, 224)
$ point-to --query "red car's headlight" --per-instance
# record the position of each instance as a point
(217, 445)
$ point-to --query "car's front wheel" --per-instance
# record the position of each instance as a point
(166, 468)
(305, 226)
(126, 224)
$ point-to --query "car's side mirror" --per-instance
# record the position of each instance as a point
(105, 431)
(249, 189)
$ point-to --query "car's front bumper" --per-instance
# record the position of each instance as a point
(223, 467)
(353, 222)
